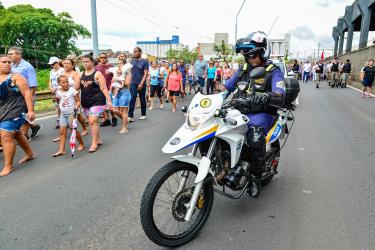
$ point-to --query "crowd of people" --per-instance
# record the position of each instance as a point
(102, 93)
(337, 73)
(97, 95)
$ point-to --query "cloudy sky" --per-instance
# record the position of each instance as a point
(123, 22)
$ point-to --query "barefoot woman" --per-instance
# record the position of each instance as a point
(94, 97)
(15, 99)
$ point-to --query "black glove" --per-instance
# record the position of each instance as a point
(260, 98)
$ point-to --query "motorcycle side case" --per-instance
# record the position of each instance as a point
(292, 89)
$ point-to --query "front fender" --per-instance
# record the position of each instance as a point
(203, 165)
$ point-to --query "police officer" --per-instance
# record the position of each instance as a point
(263, 105)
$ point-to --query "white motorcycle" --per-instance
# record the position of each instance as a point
(178, 199)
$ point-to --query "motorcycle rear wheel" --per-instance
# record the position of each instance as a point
(173, 207)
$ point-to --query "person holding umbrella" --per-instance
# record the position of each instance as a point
(69, 103)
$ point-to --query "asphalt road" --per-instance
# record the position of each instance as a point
(322, 198)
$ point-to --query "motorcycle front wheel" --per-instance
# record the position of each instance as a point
(163, 205)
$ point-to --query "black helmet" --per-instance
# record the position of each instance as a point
(254, 44)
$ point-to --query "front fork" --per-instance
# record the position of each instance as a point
(204, 164)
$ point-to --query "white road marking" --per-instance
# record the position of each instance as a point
(306, 191)
(46, 117)
(302, 149)
(358, 90)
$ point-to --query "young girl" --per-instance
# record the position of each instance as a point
(69, 101)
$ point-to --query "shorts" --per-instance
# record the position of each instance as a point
(95, 110)
(201, 81)
(218, 78)
(65, 120)
(190, 80)
(12, 125)
(174, 93)
(153, 89)
(368, 82)
(122, 99)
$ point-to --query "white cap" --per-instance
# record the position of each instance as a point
(53, 60)
(144, 56)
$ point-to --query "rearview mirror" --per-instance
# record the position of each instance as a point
(257, 73)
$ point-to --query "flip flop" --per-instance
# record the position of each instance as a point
(57, 155)
(56, 139)
(92, 150)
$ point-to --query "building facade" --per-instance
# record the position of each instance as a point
(159, 48)
(280, 46)
(208, 49)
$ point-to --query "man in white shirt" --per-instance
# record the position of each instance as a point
(306, 71)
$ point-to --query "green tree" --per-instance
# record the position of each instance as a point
(39, 32)
(223, 51)
(182, 54)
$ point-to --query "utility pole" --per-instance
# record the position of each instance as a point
(273, 24)
(235, 35)
(94, 29)
(318, 51)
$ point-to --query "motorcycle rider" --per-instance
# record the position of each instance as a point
(262, 107)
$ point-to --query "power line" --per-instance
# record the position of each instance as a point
(138, 15)
(178, 25)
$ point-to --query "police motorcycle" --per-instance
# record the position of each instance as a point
(178, 198)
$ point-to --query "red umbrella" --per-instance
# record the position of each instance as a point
(74, 132)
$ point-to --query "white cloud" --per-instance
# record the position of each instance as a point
(122, 22)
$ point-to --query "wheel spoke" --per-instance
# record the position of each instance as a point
(169, 206)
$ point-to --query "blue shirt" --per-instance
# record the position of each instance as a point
(25, 69)
(200, 68)
(211, 72)
(261, 119)
(154, 76)
(138, 70)
(183, 72)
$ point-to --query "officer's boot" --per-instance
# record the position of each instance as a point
(257, 143)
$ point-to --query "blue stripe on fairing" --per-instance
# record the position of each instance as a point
(201, 139)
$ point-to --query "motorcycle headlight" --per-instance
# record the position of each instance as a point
(195, 119)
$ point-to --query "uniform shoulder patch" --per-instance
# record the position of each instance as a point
(280, 84)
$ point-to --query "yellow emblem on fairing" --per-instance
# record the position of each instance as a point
(205, 103)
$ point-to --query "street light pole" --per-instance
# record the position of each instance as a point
(94, 29)
(235, 35)
(273, 24)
